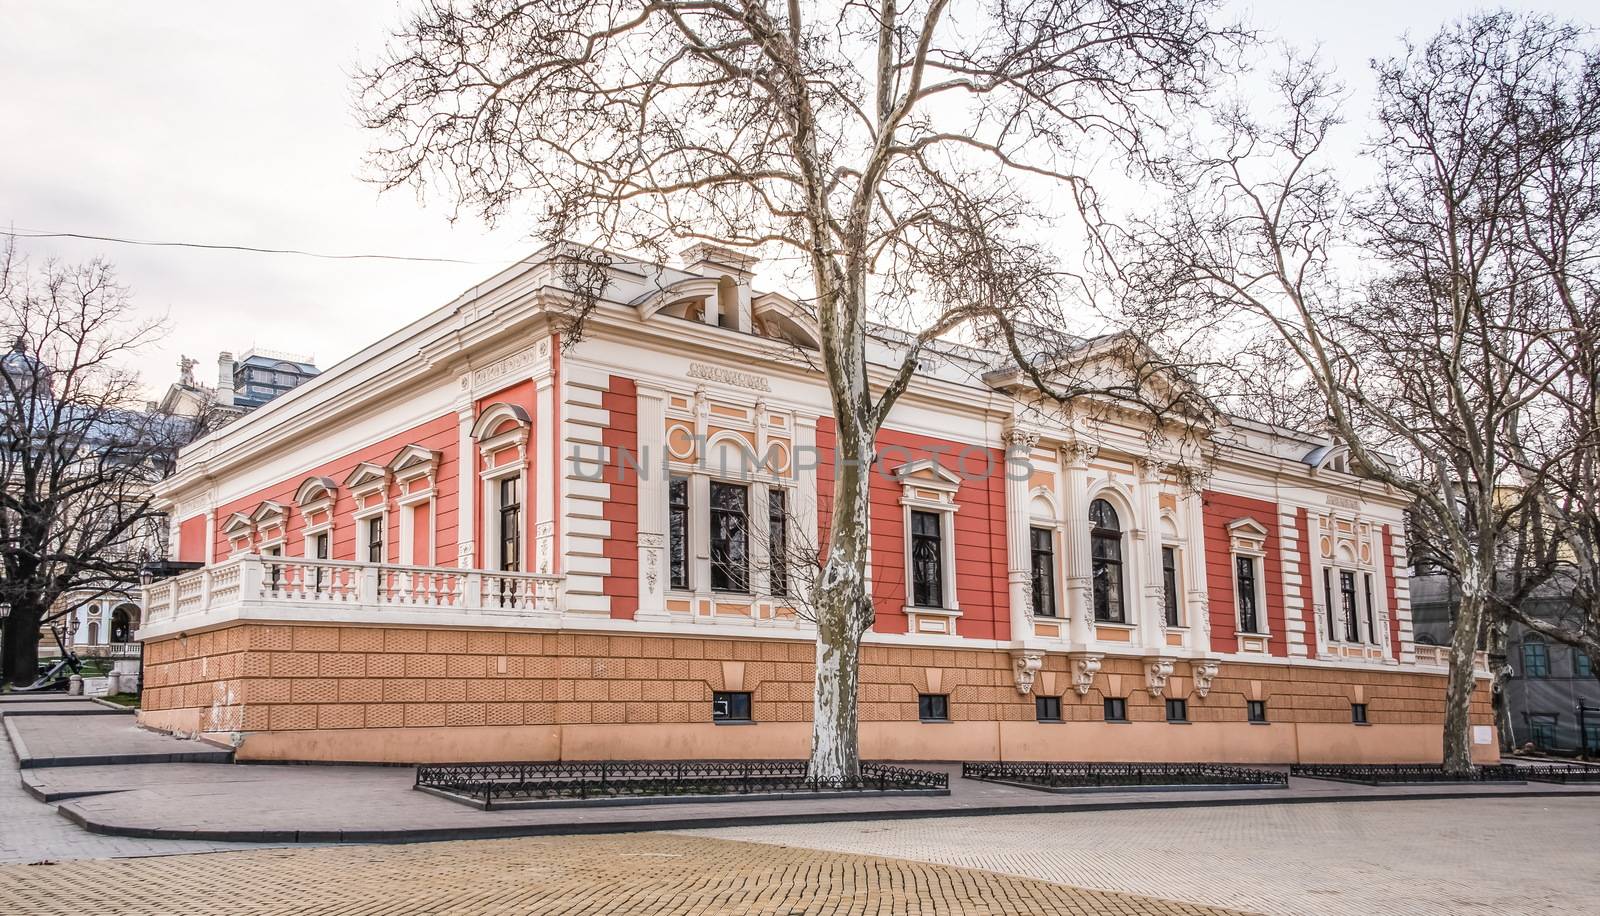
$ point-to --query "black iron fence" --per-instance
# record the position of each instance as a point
(498, 782)
(1559, 774)
(1371, 774)
(1106, 775)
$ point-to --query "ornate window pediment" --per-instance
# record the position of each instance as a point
(316, 494)
(1248, 535)
(500, 426)
(268, 514)
(239, 527)
(367, 478)
(412, 462)
(927, 473)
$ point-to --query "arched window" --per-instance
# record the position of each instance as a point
(1535, 656)
(1105, 551)
(124, 620)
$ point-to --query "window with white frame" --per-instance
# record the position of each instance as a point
(929, 507)
(1105, 563)
(730, 537)
(368, 485)
(1248, 543)
(1042, 551)
(372, 533)
(678, 533)
(1169, 586)
(778, 542)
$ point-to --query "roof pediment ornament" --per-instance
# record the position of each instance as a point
(927, 472)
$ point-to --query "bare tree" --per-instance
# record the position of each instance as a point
(905, 152)
(1414, 308)
(77, 451)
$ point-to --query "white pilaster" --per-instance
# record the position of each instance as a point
(1019, 575)
(1075, 544)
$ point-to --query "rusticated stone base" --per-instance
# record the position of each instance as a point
(304, 692)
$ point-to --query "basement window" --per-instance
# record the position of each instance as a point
(933, 707)
(1048, 709)
(730, 706)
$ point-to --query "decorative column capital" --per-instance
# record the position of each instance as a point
(1016, 437)
(1076, 454)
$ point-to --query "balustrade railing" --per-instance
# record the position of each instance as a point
(335, 583)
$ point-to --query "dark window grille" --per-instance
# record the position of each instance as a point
(1327, 599)
(730, 706)
(730, 537)
(375, 540)
(1169, 584)
(1047, 709)
(1042, 543)
(1105, 552)
(510, 524)
(1347, 599)
(678, 532)
(1372, 618)
(1358, 713)
(1177, 710)
(927, 560)
(778, 541)
(321, 549)
(1257, 710)
(1245, 577)
(1116, 709)
(933, 707)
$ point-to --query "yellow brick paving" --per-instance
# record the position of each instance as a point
(624, 874)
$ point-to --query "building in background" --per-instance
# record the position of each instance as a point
(243, 384)
(1550, 694)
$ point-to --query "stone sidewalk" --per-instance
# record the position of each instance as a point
(323, 804)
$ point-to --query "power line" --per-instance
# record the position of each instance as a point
(42, 234)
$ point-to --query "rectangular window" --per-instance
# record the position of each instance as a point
(1245, 578)
(927, 560)
(778, 541)
(1116, 709)
(320, 548)
(1347, 601)
(1372, 618)
(1358, 713)
(730, 706)
(510, 523)
(1591, 738)
(1257, 711)
(1047, 709)
(1581, 666)
(933, 707)
(1169, 584)
(730, 537)
(375, 539)
(1535, 659)
(1327, 600)
(1543, 726)
(678, 532)
(1042, 545)
(1177, 710)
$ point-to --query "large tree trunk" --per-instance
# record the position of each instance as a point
(844, 614)
(19, 657)
(1462, 679)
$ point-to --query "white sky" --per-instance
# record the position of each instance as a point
(232, 123)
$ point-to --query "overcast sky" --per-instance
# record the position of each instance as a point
(231, 123)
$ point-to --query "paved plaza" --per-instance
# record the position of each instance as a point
(1441, 858)
(622, 874)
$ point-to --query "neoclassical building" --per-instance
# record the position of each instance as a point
(468, 542)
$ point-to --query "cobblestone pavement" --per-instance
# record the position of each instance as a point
(618, 874)
(31, 831)
(1477, 856)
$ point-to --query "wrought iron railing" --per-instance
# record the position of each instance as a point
(1372, 774)
(490, 783)
(1561, 774)
(1108, 775)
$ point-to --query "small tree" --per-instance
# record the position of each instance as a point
(77, 452)
(903, 152)
(1416, 308)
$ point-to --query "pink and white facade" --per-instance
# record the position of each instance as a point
(468, 542)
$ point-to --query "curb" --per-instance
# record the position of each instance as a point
(25, 713)
(26, 761)
(504, 831)
(115, 707)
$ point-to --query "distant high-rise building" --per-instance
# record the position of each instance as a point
(243, 384)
